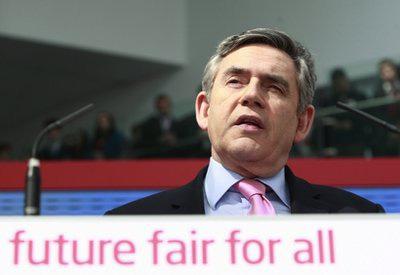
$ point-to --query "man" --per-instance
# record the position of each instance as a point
(53, 147)
(157, 135)
(256, 103)
(389, 84)
(344, 134)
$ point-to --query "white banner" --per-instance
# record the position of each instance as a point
(295, 244)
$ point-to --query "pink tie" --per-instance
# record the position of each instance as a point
(254, 192)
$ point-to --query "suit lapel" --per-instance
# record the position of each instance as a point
(303, 197)
(189, 199)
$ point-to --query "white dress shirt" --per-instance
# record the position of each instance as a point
(220, 198)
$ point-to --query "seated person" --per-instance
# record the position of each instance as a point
(157, 136)
(108, 142)
(344, 134)
(389, 81)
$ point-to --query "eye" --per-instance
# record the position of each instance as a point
(277, 88)
(234, 82)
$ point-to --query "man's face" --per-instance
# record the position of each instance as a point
(163, 106)
(252, 115)
(388, 73)
(342, 84)
(103, 121)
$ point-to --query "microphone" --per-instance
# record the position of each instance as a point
(371, 118)
(32, 184)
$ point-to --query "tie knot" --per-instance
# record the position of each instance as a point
(249, 187)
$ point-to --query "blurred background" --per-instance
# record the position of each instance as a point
(141, 63)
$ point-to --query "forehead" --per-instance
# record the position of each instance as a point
(387, 66)
(259, 58)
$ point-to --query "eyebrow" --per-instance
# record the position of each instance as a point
(277, 79)
(265, 77)
(235, 70)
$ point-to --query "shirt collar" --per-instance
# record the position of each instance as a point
(220, 179)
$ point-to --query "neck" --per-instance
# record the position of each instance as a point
(251, 169)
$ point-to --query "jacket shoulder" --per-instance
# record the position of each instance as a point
(314, 198)
(343, 201)
(187, 199)
(153, 204)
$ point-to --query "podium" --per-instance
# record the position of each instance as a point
(286, 244)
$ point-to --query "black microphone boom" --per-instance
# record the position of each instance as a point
(369, 117)
(32, 184)
(59, 123)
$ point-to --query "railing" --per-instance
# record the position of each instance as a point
(170, 173)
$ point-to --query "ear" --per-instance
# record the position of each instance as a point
(202, 106)
(305, 121)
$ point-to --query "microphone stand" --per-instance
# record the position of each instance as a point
(33, 182)
(392, 128)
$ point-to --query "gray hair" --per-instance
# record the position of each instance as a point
(301, 57)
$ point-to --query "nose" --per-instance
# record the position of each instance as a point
(253, 95)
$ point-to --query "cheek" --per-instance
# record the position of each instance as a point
(218, 122)
(220, 109)
(284, 120)
(214, 122)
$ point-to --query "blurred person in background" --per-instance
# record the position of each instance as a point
(108, 142)
(344, 134)
(341, 89)
(384, 143)
(76, 145)
(158, 134)
(52, 146)
(389, 81)
(136, 141)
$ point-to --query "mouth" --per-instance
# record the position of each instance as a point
(249, 122)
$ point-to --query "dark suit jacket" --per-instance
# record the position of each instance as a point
(152, 131)
(304, 198)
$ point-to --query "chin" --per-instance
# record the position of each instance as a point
(247, 152)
